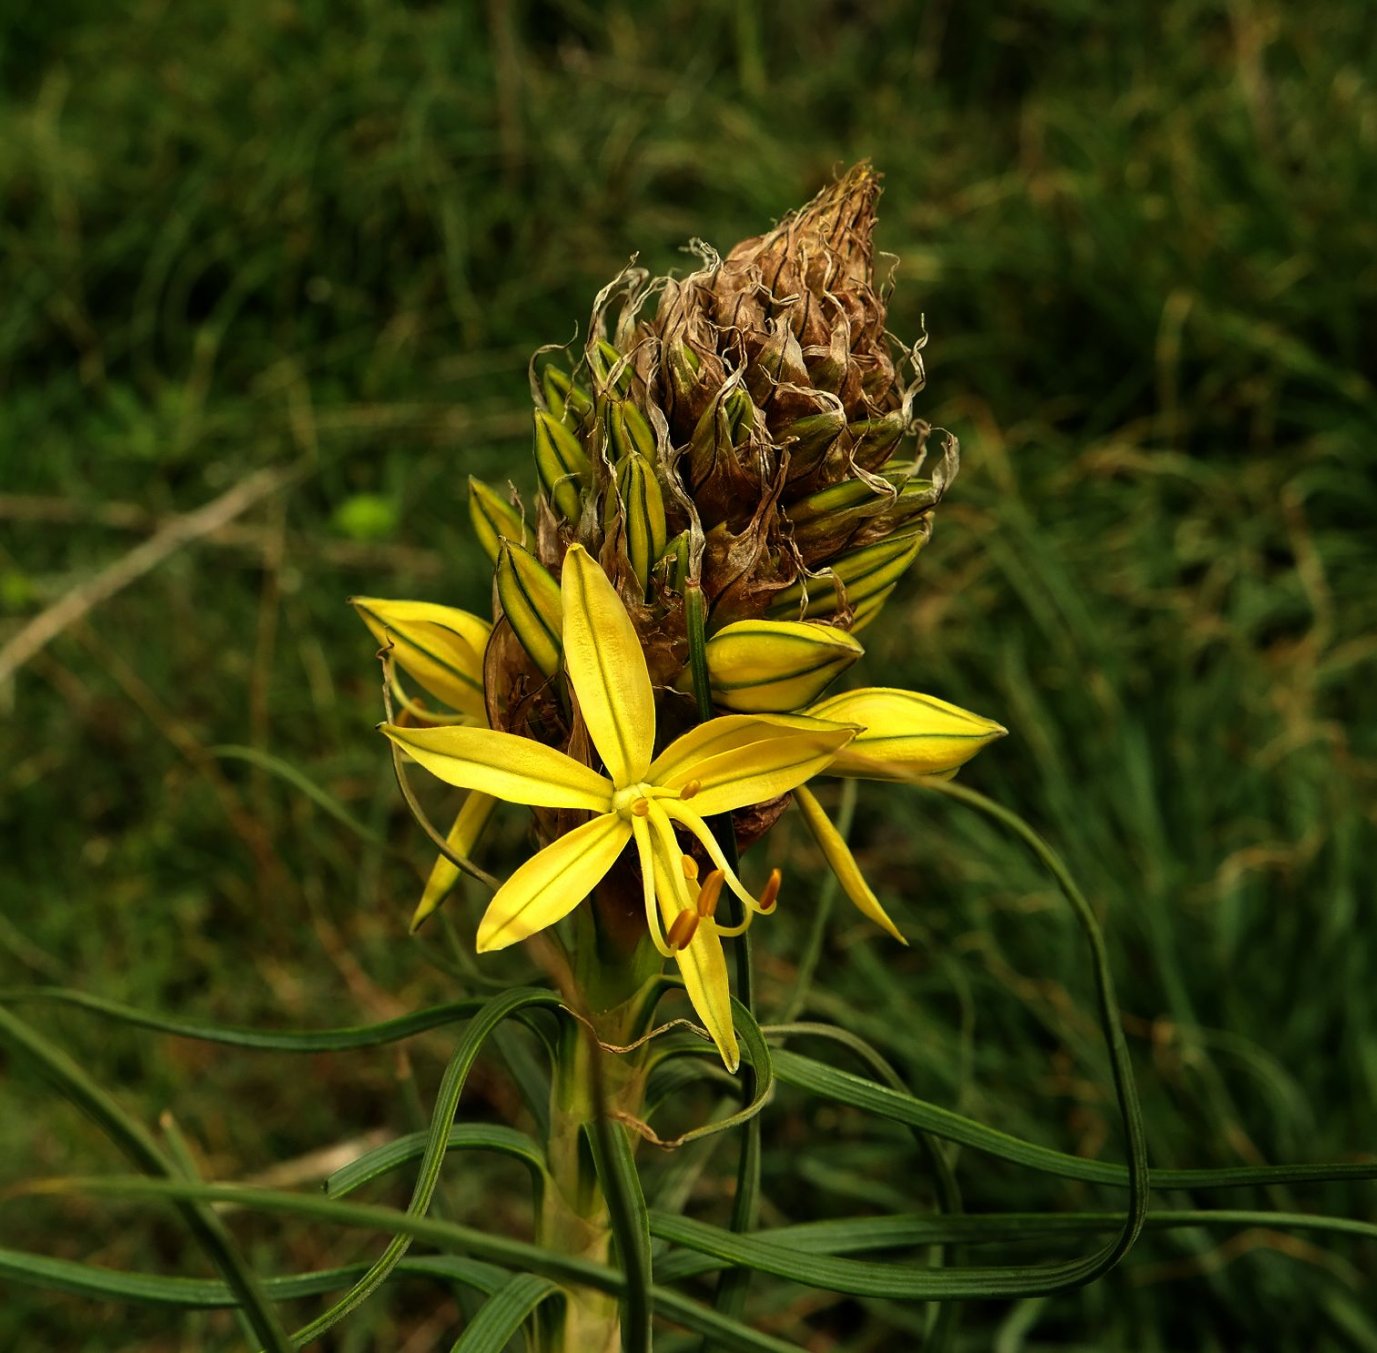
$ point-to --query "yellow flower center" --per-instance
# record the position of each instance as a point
(633, 801)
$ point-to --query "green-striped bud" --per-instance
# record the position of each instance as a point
(874, 439)
(862, 574)
(726, 423)
(562, 463)
(563, 397)
(643, 515)
(530, 601)
(828, 521)
(604, 360)
(773, 666)
(809, 439)
(674, 563)
(904, 733)
(628, 431)
(683, 365)
(440, 647)
(494, 519)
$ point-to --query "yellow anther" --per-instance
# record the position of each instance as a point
(709, 893)
(690, 789)
(641, 807)
(769, 894)
(690, 866)
(682, 930)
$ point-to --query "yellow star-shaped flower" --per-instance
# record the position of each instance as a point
(724, 764)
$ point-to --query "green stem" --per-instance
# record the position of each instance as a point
(730, 1296)
(588, 1085)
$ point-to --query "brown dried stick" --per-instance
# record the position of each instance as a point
(47, 625)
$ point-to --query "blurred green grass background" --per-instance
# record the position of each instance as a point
(331, 234)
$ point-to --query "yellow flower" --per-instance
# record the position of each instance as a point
(904, 735)
(441, 648)
(721, 765)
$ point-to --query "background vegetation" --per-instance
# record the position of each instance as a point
(286, 232)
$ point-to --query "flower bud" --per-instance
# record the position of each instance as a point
(854, 513)
(565, 399)
(874, 439)
(904, 733)
(643, 514)
(530, 600)
(809, 439)
(773, 666)
(628, 431)
(440, 647)
(562, 463)
(726, 424)
(674, 562)
(862, 574)
(605, 361)
(494, 519)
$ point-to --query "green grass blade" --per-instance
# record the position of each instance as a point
(322, 1040)
(323, 800)
(447, 1103)
(504, 1313)
(138, 1145)
(515, 1254)
(621, 1186)
(820, 1079)
(462, 1137)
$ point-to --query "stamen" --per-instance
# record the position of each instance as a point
(682, 931)
(769, 894)
(690, 789)
(690, 867)
(710, 893)
(641, 807)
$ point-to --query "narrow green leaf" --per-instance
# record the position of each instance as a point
(138, 1145)
(621, 1186)
(462, 1137)
(447, 1103)
(504, 1313)
(516, 1254)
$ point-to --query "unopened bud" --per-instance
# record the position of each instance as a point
(494, 519)
(809, 439)
(643, 514)
(530, 600)
(562, 463)
(440, 647)
(566, 400)
(725, 425)
(607, 364)
(628, 431)
(903, 733)
(772, 666)
(674, 563)
(862, 574)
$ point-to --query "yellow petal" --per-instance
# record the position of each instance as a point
(905, 733)
(842, 862)
(702, 964)
(439, 646)
(607, 669)
(470, 823)
(553, 882)
(519, 770)
(741, 759)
